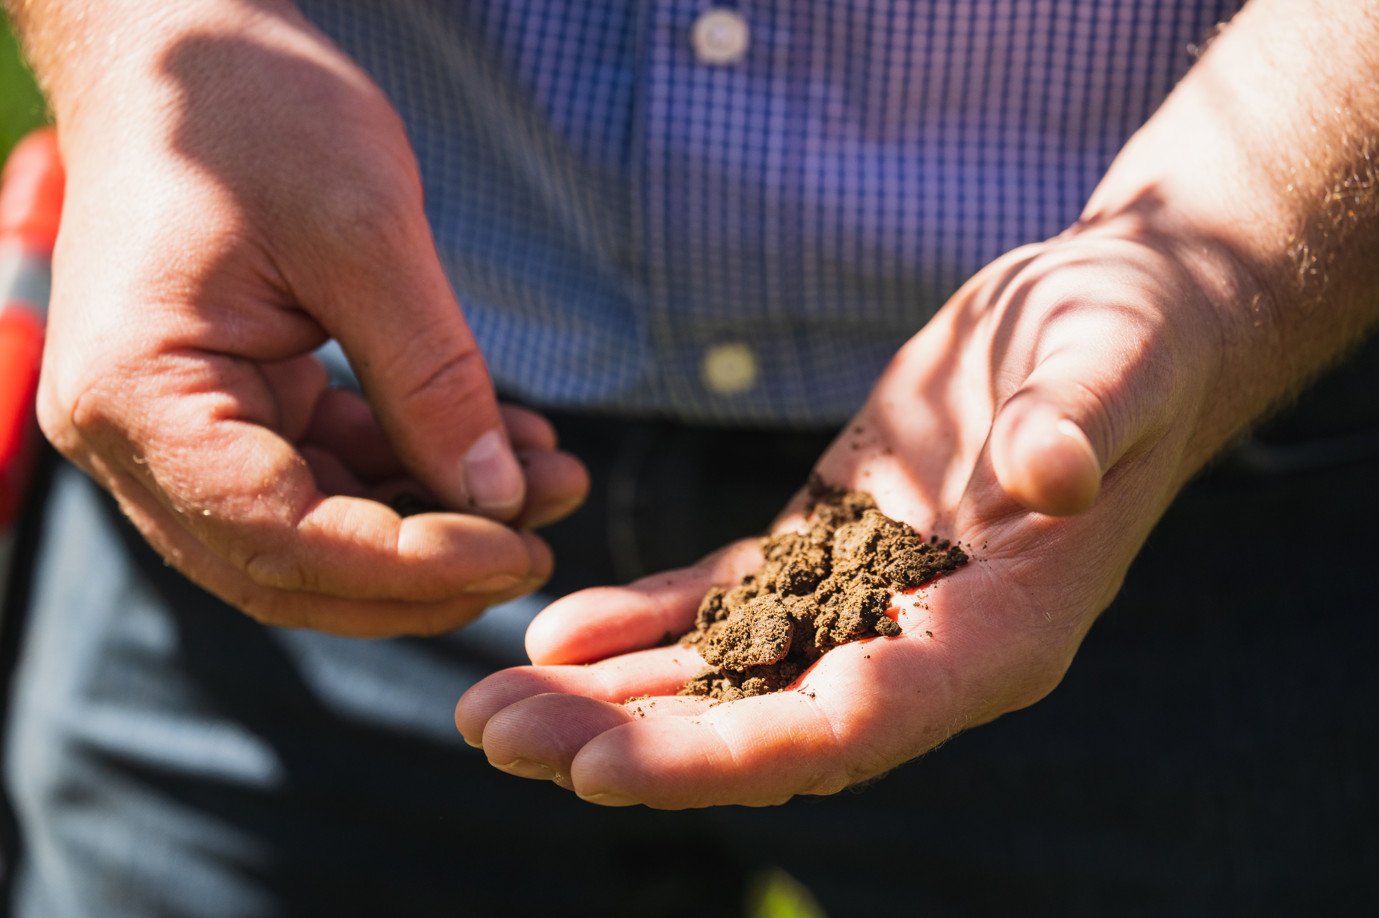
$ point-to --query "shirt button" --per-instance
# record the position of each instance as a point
(729, 368)
(720, 37)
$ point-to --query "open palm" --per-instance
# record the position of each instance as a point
(1044, 419)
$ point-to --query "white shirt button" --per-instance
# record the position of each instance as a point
(729, 368)
(720, 37)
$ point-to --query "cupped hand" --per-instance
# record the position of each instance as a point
(1045, 418)
(238, 193)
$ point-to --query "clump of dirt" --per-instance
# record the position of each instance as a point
(816, 589)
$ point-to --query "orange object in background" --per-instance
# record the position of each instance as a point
(30, 208)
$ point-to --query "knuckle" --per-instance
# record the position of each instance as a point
(277, 569)
(92, 410)
(89, 392)
(67, 414)
(459, 376)
(56, 425)
(367, 212)
(1101, 416)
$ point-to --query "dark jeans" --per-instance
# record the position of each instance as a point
(1213, 747)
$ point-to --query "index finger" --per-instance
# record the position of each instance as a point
(863, 709)
(249, 497)
(602, 621)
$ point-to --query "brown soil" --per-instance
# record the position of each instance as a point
(816, 589)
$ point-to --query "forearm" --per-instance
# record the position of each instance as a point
(1260, 172)
(78, 48)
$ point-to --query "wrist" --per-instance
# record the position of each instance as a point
(88, 56)
(1259, 173)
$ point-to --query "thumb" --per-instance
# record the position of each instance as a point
(1077, 413)
(398, 321)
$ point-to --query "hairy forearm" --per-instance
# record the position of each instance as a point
(78, 47)
(1262, 171)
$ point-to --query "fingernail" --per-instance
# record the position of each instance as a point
(495, 584)
(1091, 462)
(1072, 431)
(607, 799)
(493, 479)
(525, 769)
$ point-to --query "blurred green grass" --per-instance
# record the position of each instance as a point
(21, 105)
(777, 894)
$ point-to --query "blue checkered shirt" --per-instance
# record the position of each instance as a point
(635, 224)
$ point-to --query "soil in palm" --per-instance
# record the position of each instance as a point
(816, 589)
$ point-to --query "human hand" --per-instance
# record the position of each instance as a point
(1066, 378)
(1225, 258)
(239, 192)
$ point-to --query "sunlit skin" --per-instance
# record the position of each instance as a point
(239, 191)
(995, 636)
(1046, 417)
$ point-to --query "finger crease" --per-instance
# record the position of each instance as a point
(827, 784)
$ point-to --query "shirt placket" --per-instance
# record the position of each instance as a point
(709, 177)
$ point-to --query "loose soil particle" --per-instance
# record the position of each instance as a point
(816, 589)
